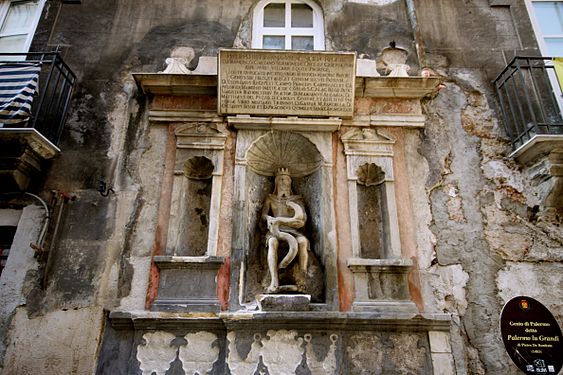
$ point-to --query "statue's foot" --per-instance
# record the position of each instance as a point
(272, 289)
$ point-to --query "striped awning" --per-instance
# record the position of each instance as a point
(18, 84)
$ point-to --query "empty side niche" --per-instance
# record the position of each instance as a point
(372, 211)
(193, 236)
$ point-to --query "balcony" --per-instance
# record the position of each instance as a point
(35, 92)
(530, 103)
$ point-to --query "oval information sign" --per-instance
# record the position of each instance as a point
(531, 336)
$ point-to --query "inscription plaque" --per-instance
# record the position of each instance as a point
(265, 82)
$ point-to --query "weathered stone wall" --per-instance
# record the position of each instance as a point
(479, 242)
(476, 241)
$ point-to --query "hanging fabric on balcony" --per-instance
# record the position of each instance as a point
(18, 84)
(558, 64)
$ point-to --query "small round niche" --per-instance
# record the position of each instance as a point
(198, 168)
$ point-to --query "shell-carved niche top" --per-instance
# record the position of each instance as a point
(283, 150)
(198, 168)
(370, 175)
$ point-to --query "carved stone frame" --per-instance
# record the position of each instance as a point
(318, 132)
(381, 285)
(363, 146)
(200, 139)
(193, 139)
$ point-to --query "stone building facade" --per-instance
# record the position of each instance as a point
(366, 168)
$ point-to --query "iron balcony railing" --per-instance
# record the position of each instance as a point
(51, 102)
(530, 99)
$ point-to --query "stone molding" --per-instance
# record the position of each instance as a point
(159, 116)
(309, 320)
(404, 120)
(374, 87)
(181, 262)
(201, 135)
(290, 123)
(176, 84)
(396, 87)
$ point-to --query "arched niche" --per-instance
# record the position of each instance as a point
(380, 273)
(307, 156)
(373, 217)
(193, 226)
(188, 269)
(368, 151)
(196, 195)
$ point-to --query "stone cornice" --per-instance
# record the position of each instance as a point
(345, 321)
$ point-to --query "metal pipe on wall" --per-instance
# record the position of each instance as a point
(418, 42)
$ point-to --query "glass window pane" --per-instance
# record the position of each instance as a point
(273, 42)
(301, 15)
(302, 43)
(274, 15)
(12, 43)
(549, 16)
(20, 16)
(554, 46)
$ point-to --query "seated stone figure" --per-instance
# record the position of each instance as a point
(285, 216)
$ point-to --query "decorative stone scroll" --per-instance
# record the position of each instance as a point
(286, 83)
(281, 352)
(157, 352)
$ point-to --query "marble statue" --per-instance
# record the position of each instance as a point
(284, 214)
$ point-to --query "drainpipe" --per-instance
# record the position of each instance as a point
(418, 42)
(38, 247)
(65, 198)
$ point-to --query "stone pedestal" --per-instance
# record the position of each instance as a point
(382, 285)
(284, 302)
(187, 284)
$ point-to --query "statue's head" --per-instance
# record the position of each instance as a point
(283, 182)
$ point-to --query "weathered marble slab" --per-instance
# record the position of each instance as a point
(286, 83)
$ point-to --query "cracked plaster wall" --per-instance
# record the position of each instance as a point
(478, 244)
(479, 247)
(475, 243)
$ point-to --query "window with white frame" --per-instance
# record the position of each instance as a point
(18, 19)
(547, 20)
(288, 24)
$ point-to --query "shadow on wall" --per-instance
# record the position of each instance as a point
(367, 29)
(204, 37)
